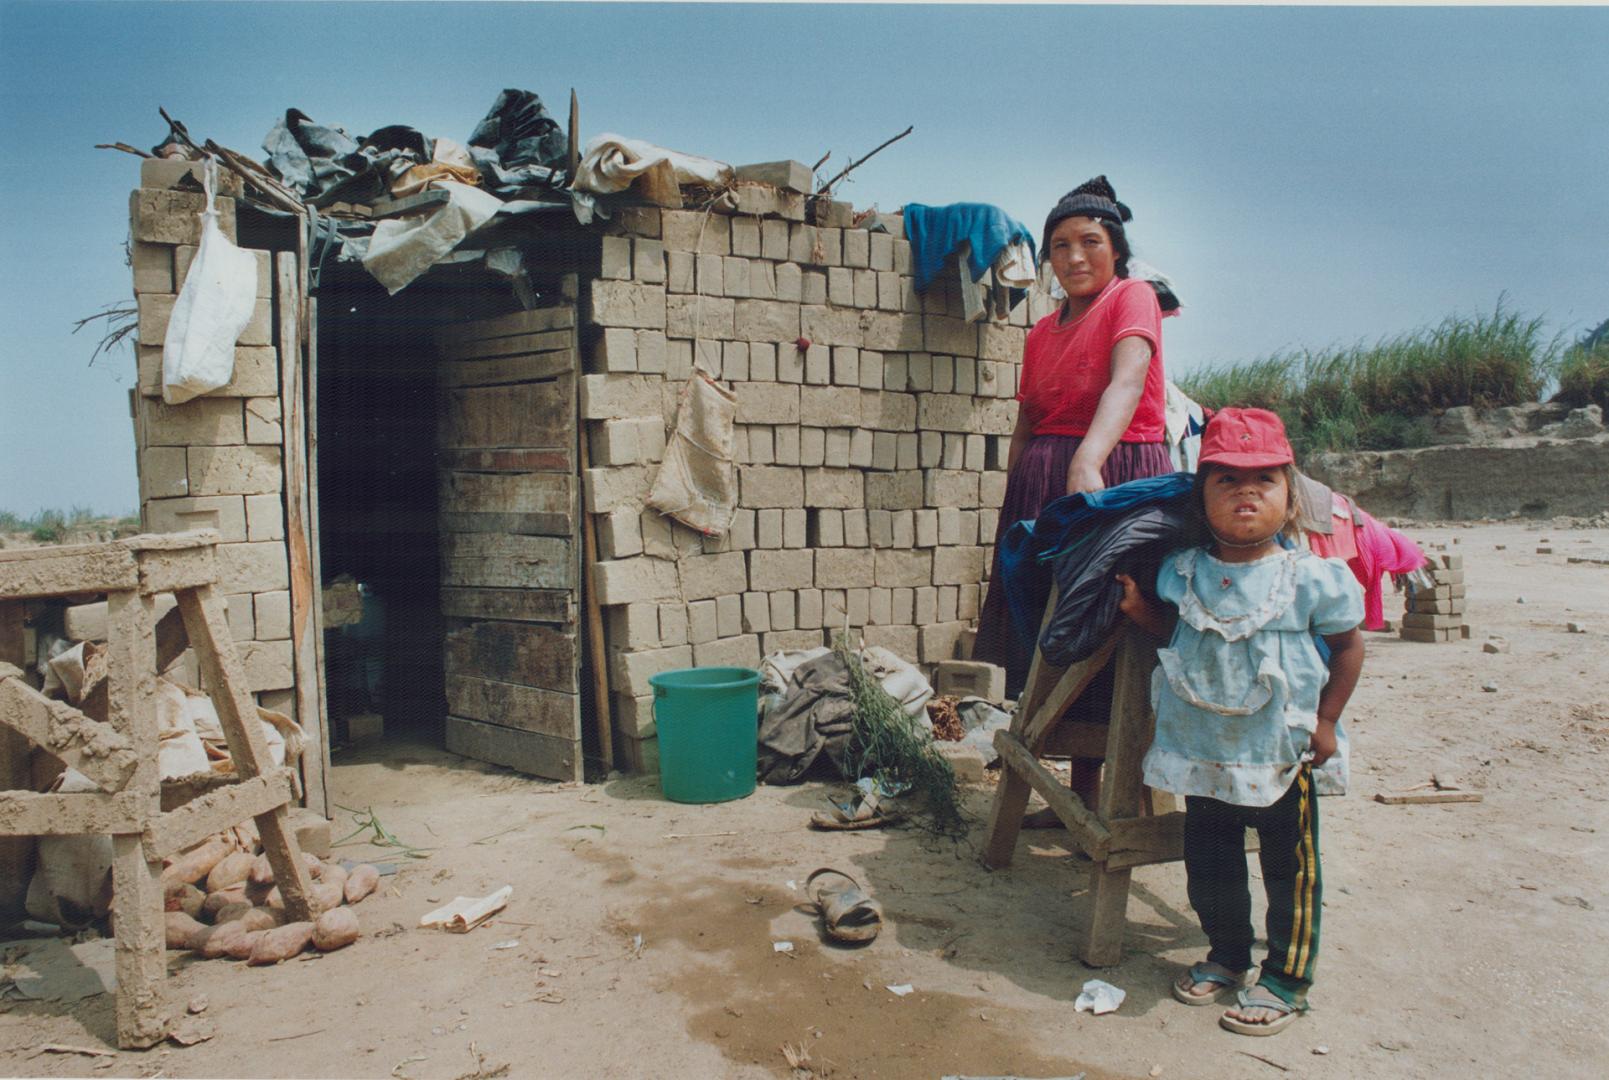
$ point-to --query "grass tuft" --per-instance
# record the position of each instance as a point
(1380, 397)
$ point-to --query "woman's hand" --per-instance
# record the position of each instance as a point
(1083, 477)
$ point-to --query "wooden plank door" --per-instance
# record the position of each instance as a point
(508, 505)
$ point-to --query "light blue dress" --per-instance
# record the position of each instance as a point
(1236, 691)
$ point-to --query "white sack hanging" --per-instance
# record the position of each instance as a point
(216, 303)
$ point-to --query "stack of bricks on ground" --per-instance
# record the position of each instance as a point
(1437, 613)
(871, 462)
(216, 461)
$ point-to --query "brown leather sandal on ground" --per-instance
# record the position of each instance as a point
(847, 913)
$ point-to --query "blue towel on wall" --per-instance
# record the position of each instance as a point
(935, 231)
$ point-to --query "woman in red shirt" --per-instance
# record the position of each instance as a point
(1091, 392)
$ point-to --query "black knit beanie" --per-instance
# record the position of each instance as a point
(1092, 199)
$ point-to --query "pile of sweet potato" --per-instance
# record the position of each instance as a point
(221, 900)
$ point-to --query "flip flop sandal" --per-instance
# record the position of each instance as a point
(1264, 999)
(1223, 980)
(863, 813)
(847, 914)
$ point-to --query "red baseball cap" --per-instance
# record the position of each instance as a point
(1245, 439)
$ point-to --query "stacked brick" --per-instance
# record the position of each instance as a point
(872, 429)
(215, 461)
(1437, 613)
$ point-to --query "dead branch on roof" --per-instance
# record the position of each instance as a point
(125, 147)
(826, 189)
(121, 318)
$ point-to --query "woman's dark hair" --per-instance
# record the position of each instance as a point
(1202, 533)
(1095, 199)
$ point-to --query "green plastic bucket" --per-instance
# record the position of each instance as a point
(707, 719)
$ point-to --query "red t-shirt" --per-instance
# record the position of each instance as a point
(1065, 368)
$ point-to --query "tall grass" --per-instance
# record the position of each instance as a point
(1379, 397)
(1584, 371)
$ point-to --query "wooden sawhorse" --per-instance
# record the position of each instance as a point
(1131, 825)
(119, 752)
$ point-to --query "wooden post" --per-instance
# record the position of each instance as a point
(599, 661)
(1122, 791)
(141, 946)
(304, 587)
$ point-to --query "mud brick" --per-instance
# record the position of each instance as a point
(794, 527)
(784, 612)
(953, 455)
(926, 601)
(855, 528)
(895, 373)
(767, 403)
(881, 252)
(729, 651)
(941, 334)
(860, 448)
(957, 565)
(812, 447)
(844, 568)
(895, 567)
(768, 486)
(834, 610)
(879, 606)
(884, 446)
(622, 581)
(262, 420)
(625, 303)
(835, 450)
(619, 533)
(640, 757)
(991, 488)
(702, 317)
(634, 716)
(840, 488)
(612, 487)
(967, 604)
(764, 201)
(846, 366)
(705, 576)
(943, 374)
(174, 217)
(802, 245)
(966, 375)
(841, 286)
(1451, 562)
(857, 605)
(762, 281)
(680, 271)
(608, 397)
(818, 365)
(745, 237)
(788, 640)
(638, 220)
(161, 173)
(970, 678)
(830, 406)
(809, 613)
(887, 411)
(702, 622)
(740, 535)
(1003, 343)
(647, 260)
(927, 528)
(1448, 578)
(1427, 606)
(831, 325)
(890, 290)
(615, 262)
(891, 331)
(940, 641)
(738, 276)
(265, 517)
(694, 230)
(672, 623)
(830, 242)
(629, 671)
(271, 613)
(153, 268)
(710, 276)
(768, 529)
(949, 525)
(894, 491)
(785, 445)
(880, 528)
(252, 568)
(905, 451)
(865, 288)
(773, 240)
(754, 614)
(826, 529)
(788, 568)
(902, 604)
(234, 470)
(969, 527)
(226, 513)
(899, 639)
(615, 350)
(790, 363)
(857, 248)
(950, 487)
(729, 615)
(930, 449)
(988, 523)
(1421, 620)
(790, 283)
(1426, 634)
(904, 528)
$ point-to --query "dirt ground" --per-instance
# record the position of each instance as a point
(1466, 939)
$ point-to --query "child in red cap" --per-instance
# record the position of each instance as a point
(1247, 715)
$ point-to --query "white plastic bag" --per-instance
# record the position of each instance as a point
(216, 303)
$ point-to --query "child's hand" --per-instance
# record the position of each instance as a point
(1146, 615)
(1323, 742)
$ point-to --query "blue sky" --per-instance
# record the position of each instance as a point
(1307, 176)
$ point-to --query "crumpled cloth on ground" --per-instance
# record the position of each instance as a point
(614, 163)
(403, 248)
(697, 481)
(814, 717)
(936, 231)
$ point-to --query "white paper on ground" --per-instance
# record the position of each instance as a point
(464, 913)
(1099, 997)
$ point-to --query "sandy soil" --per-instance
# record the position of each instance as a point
(1462, 940)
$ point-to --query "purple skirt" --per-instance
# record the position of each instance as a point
(1040, 478)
